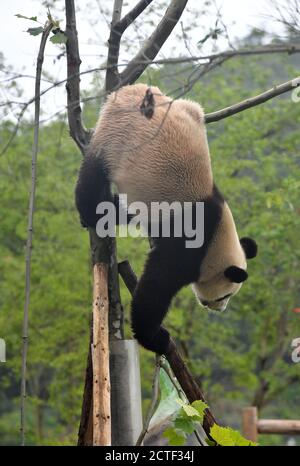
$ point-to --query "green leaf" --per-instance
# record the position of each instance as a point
(35, 31)
(184, 424)
(175, 438)
(227, 437)
(32, 18)
(200, 407)
(189, 410)
(168, 405)
(59, 38)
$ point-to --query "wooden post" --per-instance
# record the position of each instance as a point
(277, 426)
(100, 359)
(250, 430)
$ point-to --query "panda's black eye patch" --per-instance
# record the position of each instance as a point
(223, 297)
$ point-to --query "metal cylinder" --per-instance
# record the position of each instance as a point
(126, 403)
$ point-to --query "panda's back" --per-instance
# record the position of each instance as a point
(164, 158)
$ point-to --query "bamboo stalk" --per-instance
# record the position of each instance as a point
(100, 359)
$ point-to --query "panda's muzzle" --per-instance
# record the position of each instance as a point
(217, 304)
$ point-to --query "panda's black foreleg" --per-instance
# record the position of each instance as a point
(158, 284)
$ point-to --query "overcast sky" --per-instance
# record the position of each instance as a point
(20, 49)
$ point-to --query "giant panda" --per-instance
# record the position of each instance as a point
(164, 158)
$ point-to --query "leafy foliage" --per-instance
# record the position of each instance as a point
(190, 418)
(59, 38)
(185, 422)
(31, 18)
(227, 437)
(242, 356)
(35, 31)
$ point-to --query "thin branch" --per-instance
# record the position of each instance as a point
(291, 49)
(154, 402)
(265, 50)
(128, 19)
(173, 379)
(15, 130)
(118, 27)
(112, 75)
(39, 66)
(80, 135)
(128, 275)
(154, 43)
(210, 117)
(253, 101)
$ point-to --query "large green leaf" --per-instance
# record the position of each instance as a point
(227, 437)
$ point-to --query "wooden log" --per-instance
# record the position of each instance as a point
(276, 426)
(100, 359)
(250, 423)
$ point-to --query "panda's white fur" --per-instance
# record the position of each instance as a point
(165, 158)
(162, 158)
(212, 285)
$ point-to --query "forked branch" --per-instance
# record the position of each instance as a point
(148, 52)
(80, 135)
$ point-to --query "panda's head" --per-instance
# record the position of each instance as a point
(215, 292)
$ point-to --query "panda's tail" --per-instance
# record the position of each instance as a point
(93, 187)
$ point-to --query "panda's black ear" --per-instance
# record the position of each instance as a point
(249, 246)
(235, 274)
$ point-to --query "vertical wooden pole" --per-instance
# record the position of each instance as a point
(250, 423)
(100, 359)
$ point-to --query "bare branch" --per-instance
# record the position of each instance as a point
(153, 45)
(265, 50)
(39, 65)
(118, 27)
(253, 101)
(128, 19)
(212, 61)
(112, 74)
(80, 135)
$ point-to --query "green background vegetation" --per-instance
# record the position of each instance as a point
(243, 357)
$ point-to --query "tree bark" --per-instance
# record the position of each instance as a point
(100, 359)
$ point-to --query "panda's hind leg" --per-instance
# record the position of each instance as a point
(93, 187)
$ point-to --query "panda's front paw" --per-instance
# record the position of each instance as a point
(158, 344)
(161, 341)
